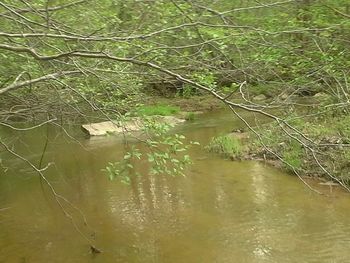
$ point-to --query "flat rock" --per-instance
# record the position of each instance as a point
(135, 124)
(329, 183)
(321, 95)
(260, 97)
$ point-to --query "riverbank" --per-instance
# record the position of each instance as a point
(301, 152)
(325, 157)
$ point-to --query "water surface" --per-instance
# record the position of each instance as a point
(222, 211)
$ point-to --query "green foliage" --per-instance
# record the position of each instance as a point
(167, 154)
(158, 109)
(120, 94)
(292, 46)
(301, 45)
(206, 78)
(123, 169)
(187, 92)
(234, 87)
(226, 145)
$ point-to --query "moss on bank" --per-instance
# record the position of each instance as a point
(157, 109)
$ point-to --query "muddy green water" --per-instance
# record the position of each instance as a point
(222, 211)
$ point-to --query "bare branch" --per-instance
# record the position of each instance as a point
(50, 9)
(17, 85)
(29, 128)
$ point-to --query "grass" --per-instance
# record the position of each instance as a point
(158, 109)
(293, 155)
(226, 145)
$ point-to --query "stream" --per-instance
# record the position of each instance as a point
(222, 211)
